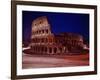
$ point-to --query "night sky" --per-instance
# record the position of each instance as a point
(60, 22)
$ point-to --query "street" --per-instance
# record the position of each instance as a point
(46, 61)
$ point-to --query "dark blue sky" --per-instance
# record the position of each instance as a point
(60, 22)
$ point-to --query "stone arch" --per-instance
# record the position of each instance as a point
(46, 49)
(47, 31)
(60, 49)
(50, 50)
(55, 50)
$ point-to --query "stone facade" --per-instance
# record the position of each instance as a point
(43, 41)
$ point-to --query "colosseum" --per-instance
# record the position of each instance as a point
(44, 41)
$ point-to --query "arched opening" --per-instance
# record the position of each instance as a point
(50, 50)
(45, 49)
(42, 31)
(42, 49)
(55, 50)
(60, 49)
(47, 31)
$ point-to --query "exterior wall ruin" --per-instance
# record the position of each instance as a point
(43, 41)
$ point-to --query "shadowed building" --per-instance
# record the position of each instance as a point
(43, 41)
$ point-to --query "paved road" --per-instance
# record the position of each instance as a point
(43, 61)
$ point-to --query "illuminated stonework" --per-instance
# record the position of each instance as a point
(43, 41)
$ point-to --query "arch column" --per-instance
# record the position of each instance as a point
(52, 51)
(58, 51)
(47, 50)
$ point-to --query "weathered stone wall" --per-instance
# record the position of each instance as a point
(43, 41)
